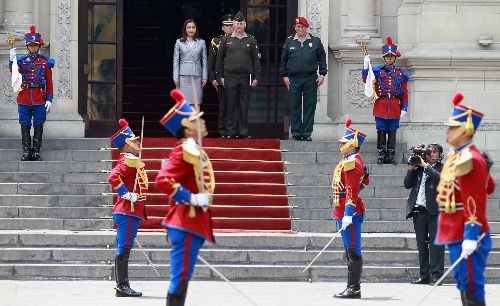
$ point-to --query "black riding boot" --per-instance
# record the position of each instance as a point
(391, 148)
(469, 299)
(26, 142)
(37, 142)
(121, 272)
(178, 299)
(381, 146)
(354, 269)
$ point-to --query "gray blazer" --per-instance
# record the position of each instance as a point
(190, 60)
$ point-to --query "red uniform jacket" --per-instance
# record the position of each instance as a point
(177, 172)
(37, 86)
(463, 209)
(392, 91)
(123, 176)
(348, 180)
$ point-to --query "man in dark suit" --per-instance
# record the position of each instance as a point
(422, 178)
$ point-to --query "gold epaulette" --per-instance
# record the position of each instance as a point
(191, 152)
(133, 161)
(464, 163)
(349, 164)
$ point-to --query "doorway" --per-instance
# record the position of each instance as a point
(132, 77)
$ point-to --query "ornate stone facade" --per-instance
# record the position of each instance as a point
(64, 48)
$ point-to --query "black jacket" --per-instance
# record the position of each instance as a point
(412, 181)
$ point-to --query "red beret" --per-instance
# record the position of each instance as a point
(302, 20)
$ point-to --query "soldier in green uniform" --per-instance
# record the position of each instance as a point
(237, 69)
(301, 57)
(227, 28)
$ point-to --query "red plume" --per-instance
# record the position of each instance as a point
(123, 122)
(32, 29)
(348, 122)
(177, 95)
(389, 40)
(457, 97)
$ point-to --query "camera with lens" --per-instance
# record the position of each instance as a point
(419, 151)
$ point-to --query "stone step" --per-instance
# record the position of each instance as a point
(54, 166)
(368, 192)
(58, 155)
(60, 143)
(327, 168)
(240, 272)
(386, 226)
(55, 200)
(325, 179)
(56, 224)
(332, 158)
(49, 189)
(218, 256)
(294, 241)
(330, 146)
(53, 177)
(371, 214)
(55, 212)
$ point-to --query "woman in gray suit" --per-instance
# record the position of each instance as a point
(190, 64)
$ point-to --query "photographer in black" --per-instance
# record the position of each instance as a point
(422, 178)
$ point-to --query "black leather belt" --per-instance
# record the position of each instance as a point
(389, 96)
(419, 209)
(33, 85)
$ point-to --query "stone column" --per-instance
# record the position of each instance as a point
(453, 46)
(360, 19)
(351, 21)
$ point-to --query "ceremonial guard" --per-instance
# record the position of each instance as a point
(34, 92)
(391, 102)
(227, 28)
(130, 182)
(188, 179)
(349, 177)
(464, 185)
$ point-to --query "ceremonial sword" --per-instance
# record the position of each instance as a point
(448, 272)
(329, 242)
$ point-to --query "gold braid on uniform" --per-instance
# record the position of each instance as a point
(337, 186)
(203, 170)
(457, 164)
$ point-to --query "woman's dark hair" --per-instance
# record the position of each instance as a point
(183, 31)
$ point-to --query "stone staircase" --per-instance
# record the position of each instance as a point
(55, 224)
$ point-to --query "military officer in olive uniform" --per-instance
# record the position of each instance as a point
(227, 28)
(301, 57)
(237, 69)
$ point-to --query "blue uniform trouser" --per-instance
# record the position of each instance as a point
(185, 249)
(469, 273)
(126, 231)
(352, 234)
(29, 112)
(303, 86)
(386, 125)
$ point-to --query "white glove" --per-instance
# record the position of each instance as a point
(468, 247)
(403, 113)
(200, 199)
(47, 106)
(366, 61)
(346, 221)
(131, 196)
(12, 55)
